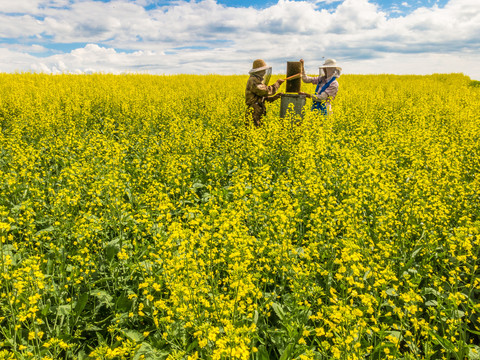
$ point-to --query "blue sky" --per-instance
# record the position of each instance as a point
(386, 5)
(225, 36)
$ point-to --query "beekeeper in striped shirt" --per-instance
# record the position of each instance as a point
(327, 85)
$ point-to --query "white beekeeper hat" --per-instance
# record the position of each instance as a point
(331, 63)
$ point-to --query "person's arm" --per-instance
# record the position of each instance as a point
(314, 97)
(264, 90)
(274, 97)
(329, 93)
(305, 78)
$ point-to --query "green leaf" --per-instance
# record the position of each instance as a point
(46, 308)
(192, 346)
(262, 353)
(101, 339)
(129, 194)
(82, 301)
(391, 292)
(149, 352)
(396, 334)
(46, 230)
(103, 297)
(413, 348)
(278, 310)
(287, 353)
(81, 355)
(446, 344)
(474, 353)
(473, 331)
(112, 248)
(198, 185)
(50, 266)
(415, 252)
(91, 327)
(412, 257)
(123, 303)
(432, 291)
(64, 310)
(133, 335)
(366, 275)
(146, 350)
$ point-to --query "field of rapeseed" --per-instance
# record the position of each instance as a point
(140, 219)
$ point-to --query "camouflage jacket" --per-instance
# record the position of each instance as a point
(256, 92)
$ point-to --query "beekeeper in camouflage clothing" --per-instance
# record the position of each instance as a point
(258, 92)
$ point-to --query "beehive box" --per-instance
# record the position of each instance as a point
(293, 68)
(292, 103)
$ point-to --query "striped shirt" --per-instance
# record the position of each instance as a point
(329, 93)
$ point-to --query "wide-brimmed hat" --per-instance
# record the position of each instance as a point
(259, 65)
(330, 63)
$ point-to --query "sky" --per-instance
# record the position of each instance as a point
(226, 36)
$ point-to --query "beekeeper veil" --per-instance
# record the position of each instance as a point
(332, 64)
(261, 69)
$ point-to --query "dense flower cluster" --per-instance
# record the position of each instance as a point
(140, 219)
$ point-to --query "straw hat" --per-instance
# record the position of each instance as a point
(259, 65)
(330, 63)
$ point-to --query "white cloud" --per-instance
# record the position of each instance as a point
(206, 37)
(30, 6)
(15, 61)
(94, 58)
(19, 26)
(28, 49)
(420, 64)
(353, 16)
(20, 6)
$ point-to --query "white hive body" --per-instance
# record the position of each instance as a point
(292, 103)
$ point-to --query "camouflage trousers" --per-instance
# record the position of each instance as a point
(255, 113)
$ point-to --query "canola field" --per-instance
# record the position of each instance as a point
(140, 219)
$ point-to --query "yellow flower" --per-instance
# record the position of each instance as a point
(202, 343)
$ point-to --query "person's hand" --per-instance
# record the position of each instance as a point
(280, 81)
(301, 61)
